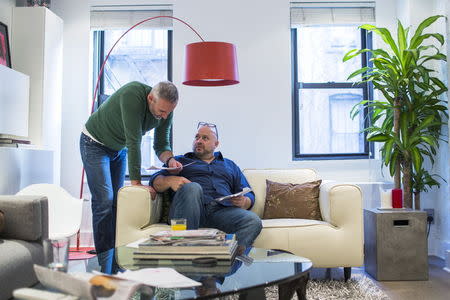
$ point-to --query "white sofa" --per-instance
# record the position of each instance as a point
(337, 241)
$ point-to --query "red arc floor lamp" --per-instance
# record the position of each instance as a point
(206, 64)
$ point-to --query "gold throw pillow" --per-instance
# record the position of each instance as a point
(293, 201)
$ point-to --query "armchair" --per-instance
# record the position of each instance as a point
(26, 226)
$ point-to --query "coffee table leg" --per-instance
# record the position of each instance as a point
(286, 290)
(252, 294)
(301, 289)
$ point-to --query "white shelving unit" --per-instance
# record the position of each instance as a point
(37, 44)
(14, 95)
(22, 167)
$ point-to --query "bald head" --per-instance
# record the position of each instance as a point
(205, 142)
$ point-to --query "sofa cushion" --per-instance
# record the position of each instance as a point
(257, 180)
(282, 223)
(295, 201)
(16, 265)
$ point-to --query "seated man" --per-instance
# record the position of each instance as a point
(210, 176)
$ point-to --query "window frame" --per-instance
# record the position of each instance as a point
(98, 59)
(367, 87)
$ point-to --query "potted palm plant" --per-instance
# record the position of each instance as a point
(408, 121)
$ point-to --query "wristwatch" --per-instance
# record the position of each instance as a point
(167, 161)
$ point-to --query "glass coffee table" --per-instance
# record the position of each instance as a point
(267, 268)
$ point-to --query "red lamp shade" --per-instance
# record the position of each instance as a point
(211, 64)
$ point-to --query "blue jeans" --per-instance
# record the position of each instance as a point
(188, 203)
(105, 171)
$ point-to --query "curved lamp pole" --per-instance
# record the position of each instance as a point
(206, 64)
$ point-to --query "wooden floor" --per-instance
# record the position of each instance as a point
(436, 288)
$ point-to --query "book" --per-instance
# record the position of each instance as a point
(8, 145)
(181, 260)
(186, 267)
(227, 248)
(13, 141)
(12, 136)
(154, 257)
(222, 243)
(187, 257)
(17, 145)
(185, 252)
(167, 235)
(241, 193)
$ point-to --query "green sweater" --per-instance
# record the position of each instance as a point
(122, 121)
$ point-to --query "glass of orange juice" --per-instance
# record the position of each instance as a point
(178, 224)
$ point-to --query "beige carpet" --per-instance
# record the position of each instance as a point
(359, 287)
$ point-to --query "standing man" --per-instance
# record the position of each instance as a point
(211, 176)
(111, 132)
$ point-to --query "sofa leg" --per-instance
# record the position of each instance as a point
(328, 274)
(347, 273)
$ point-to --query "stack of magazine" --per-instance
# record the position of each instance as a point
(187, 245)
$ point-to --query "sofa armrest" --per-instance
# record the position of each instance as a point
(135, 211)
(26, 217)
(341, 204)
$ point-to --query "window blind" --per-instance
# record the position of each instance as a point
(123, 17)
(309, 13)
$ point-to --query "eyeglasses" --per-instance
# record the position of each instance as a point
(210, 125)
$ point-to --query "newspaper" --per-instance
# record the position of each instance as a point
(243, 192)
(167, 168)
(81, 284)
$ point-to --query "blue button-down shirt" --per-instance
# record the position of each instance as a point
(221, 177)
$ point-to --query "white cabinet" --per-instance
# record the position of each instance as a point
(14, 94)
(37, 44)
(21, 167)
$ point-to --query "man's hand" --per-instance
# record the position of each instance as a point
(149, 188)
(173, 163)
(177, 182)
(241, 201)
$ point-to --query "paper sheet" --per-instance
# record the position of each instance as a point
(159, 277)
(135, 244)
(243, 192)
(169, 169)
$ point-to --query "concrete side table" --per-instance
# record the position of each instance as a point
(395, 244)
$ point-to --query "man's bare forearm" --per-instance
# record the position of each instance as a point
(164, 156)
(161, 183)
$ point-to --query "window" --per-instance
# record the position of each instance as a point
(143, 54)
(322, 96)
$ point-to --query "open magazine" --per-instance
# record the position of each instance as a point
(93, 286)
(243, 192)
(169, 169)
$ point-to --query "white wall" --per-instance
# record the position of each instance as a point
(75, 87)
(411, 13)
(254, 117)
(261, 103)
(6, 13)
(438, 199)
